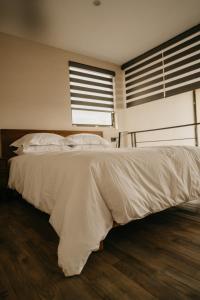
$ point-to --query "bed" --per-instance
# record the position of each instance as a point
(86, 191)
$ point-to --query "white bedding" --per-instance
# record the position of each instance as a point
(85, 190)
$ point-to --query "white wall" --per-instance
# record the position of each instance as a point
(34, 93)
(172, 111)
(34, 85)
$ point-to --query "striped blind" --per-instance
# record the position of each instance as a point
(169, 69)
(91, 89)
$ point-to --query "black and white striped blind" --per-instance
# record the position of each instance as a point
(169, 69)
(91, 88)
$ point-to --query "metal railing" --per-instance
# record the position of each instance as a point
(134, 141)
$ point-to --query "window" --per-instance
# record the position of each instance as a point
(169, 69)
(92, 97)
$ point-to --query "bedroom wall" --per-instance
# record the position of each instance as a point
(172, 111)
(34, 85)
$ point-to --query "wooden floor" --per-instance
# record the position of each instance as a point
(154, 258)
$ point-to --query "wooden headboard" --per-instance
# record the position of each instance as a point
(8, 136)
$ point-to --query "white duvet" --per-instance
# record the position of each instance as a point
(84, 191)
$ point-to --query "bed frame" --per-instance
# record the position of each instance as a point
(8, 136)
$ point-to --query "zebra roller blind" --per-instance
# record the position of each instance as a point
(169, 69)
(91, 92)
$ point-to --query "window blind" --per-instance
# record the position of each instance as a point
(91, 88)
(169, 69)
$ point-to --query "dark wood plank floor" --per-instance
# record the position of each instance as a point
(154, 258)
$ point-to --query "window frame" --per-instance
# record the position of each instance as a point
(89, 92)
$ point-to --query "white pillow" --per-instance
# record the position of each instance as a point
(91, 147)
(84, 139)
(41, 149)
(38, 139)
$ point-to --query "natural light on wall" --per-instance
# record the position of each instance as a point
(91, 117)
(92, 97)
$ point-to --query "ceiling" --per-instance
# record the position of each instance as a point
(116, 31)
